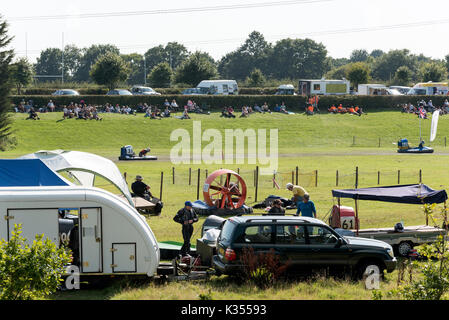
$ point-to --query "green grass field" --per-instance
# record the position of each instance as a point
(323, 142)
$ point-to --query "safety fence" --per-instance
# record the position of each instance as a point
(190, 181)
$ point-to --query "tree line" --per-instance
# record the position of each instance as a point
(256, 62)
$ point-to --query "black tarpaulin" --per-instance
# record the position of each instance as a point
(412, 193)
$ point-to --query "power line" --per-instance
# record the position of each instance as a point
(305, 34)
(167, 11)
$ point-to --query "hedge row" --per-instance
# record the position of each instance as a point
(164, 91)
(216, 103)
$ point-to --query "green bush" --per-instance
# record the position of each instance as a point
(30, 271)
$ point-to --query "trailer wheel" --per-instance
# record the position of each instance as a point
(404, 248)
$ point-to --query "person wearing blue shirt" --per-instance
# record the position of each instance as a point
(306, 207)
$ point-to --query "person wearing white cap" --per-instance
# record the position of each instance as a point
(298, 192)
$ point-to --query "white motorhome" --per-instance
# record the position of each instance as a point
(323, 87)
(225, 87)
(429, 89)
(107, 235)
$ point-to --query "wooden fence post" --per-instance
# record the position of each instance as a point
(336, 179)
(379, 142)
(162, 183)
(399, 176)
(257, 182)
(190, 176)
(297, 175)
(420, 176)
(198, 185)
(378, 177)
(293, 177)
(356, 177)
(316, 178)
(173, 173)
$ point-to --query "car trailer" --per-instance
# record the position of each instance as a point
(403, 240)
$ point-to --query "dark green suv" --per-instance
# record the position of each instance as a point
(300, 242)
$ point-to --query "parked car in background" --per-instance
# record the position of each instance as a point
(65, 92)
(143, 91)
(191, 91)
(401, 89)
(119, 92)
(286, 89)
(302, 243)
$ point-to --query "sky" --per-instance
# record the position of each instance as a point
(341, 25)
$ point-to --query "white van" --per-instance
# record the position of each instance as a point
(106, 234)
(224, 87)
(286, 89)
(323, 87)
(429, 89)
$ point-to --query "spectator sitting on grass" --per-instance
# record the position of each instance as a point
(309, 110)
(446, 106)
(257, 108)
(166, 113)
(283, 108)
(32, 115)
(332, 109)
(265, 108)
(244, 112)
(250, 110)
(174, 106)
(166, 103)
(277, 108)
(185, 115)
(231, 112)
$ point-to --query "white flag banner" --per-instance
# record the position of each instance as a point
(433, 128)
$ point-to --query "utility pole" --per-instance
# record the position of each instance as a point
(144, 70)
(62, 69)
(26, 45)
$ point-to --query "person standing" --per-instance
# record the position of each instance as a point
(306, 207)
(298, 192)
(186, 217)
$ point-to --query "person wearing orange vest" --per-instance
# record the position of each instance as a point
(310, 110)
(352, 110)
(332, 109)
(340, 108)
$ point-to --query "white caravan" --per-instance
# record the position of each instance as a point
(224, 87)
(323, 87)
(107, 235)
(429, 89)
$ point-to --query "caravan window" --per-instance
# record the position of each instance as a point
(225, 88)
(317, 87)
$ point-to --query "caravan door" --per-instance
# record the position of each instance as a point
(91, 235)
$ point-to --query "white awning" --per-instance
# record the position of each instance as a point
(83, 167)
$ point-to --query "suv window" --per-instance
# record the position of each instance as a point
(226, 232)
(320, 235)
(256, 234)
(290, 234)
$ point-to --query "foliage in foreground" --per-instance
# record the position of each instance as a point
(30, 271)
(434, 280)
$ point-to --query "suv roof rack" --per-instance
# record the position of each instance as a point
(278, 219)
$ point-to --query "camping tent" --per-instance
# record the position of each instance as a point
(412, 193)
(83, 167)
(28, 173)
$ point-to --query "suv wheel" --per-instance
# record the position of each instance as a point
(366, 269)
